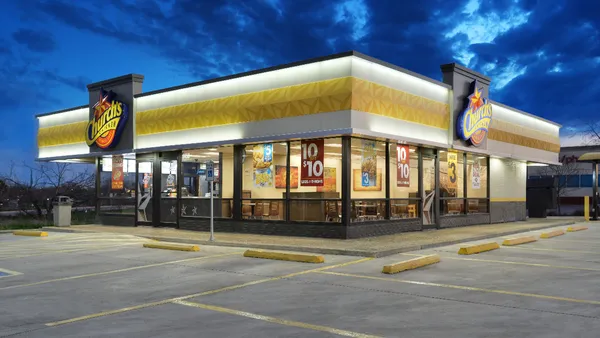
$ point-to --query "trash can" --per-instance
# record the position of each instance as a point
(62, 211)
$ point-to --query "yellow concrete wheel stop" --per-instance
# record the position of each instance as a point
(411, 264)
(576, 228)
(172, 246)
(285, 256)
(518, 240)
(477, 248)
(552, 234)
(30, 233)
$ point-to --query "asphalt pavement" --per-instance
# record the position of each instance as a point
(103, 284)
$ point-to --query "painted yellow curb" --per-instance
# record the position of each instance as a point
(411, 264)
(519, 240)
(576, 228)
(477, 248)
(30, 233)
(284, 256)
(552, 234)
(179, 247)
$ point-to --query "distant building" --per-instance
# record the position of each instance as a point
(575, 179)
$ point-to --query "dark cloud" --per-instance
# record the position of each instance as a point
(36, 41)
(542, 52)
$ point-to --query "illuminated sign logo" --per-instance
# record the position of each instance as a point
(108, 122)
(474, 122)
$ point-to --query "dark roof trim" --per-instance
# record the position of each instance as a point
(62, 111)
(455, 67)
(525, 113)
(116, 81)
(294, 64)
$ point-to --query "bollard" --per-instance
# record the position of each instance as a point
(586, 208)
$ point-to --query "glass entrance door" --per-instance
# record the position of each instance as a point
(145, 192)
(428, 198)
(168, 192)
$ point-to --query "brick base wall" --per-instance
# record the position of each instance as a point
(508, 212)
(464, 220)
(120, 220)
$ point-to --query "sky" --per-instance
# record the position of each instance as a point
(543, 56)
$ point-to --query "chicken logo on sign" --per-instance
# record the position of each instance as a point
(473, 124)
(107, 123)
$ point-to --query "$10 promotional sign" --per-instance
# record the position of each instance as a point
(403, 170)
(312, 163)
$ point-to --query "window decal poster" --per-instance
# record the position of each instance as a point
(476, 175)
(403, 169)
(262, 156)
(311, 172)
(117, 172)
(452, 169)
(369, 164)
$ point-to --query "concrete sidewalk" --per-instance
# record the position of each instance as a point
(366, 247)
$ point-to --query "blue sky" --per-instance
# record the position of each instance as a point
(543, 56)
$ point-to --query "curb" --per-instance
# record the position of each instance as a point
(285, 256)
(410, 264)
(326, 251)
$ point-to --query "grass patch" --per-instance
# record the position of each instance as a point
(22, 226)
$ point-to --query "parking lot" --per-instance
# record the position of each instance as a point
(100, 284)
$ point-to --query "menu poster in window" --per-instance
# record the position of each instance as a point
(117, 173)
(476, 175)
(452, 169)
(281, 177)
(330, 180)
(369, 164)
(312, 163)
(262, 156)
(403, 169)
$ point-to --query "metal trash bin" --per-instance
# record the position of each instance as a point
(62, 211)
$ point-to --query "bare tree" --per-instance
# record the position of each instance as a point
(562, 172)
(33, 188)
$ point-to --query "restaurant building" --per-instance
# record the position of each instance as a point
(343, 146)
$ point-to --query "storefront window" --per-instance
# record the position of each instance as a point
(452, 182)
(195, 191)
(368, 179)
(477, 184)
(262, 194)
(404, 181)
(117, 182)
(315, 181)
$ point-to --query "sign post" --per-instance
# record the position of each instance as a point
(210, 178)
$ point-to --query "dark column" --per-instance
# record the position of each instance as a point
(420, 183)
(238, 168)
(156, 181)
(346, 180)
(489, 204)
(436, 199)
(288, 180)
(179, 185)
(595, 190)
(465, 185)
(388, 204)
(97, 196)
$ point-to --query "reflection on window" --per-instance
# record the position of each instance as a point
(316, 195)
(117, 176)
(477, 180)
(195, 191)
(451, 174)
(368, 169)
